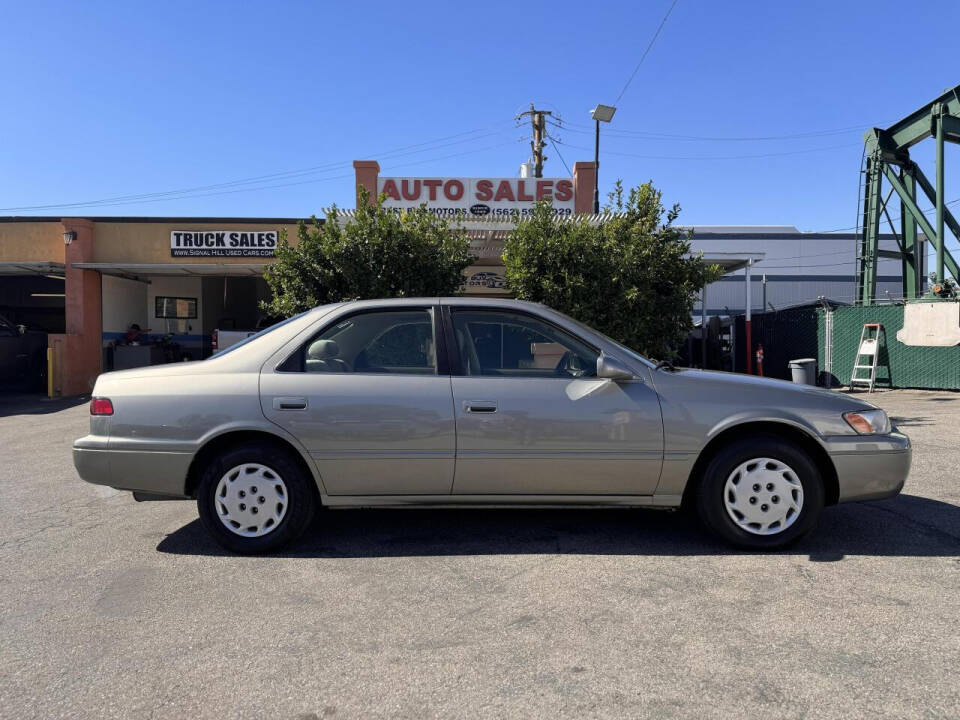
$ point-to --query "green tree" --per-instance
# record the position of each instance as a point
(633, 276)
(375, 254)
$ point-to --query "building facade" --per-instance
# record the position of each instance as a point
(89, 281)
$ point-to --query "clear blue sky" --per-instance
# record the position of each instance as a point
(115, 99)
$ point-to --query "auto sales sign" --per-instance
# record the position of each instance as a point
(223, 243)
(476, 197)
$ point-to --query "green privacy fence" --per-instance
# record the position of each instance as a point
(899, 365)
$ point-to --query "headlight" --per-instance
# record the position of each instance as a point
(868, 422)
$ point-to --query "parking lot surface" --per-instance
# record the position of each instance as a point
(112, 608)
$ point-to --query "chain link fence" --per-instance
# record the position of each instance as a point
(898, 365)
(833, 337)
(785, 335)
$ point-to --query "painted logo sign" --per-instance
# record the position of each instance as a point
(485, 279)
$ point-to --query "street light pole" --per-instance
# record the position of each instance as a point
(599, 113)
(596, 170)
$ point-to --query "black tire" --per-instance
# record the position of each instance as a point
(300, 492)
(712, 509)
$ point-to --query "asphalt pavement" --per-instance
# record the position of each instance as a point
(116, 609)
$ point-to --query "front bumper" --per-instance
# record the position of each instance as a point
(870, 467)
(146, 471)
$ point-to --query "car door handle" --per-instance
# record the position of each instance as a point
(480, 406)
(289, 403)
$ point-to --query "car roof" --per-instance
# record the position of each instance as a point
(461, 300)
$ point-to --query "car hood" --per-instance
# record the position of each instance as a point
(765, 386)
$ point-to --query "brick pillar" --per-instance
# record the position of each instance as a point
(81, 361)
(367, 172)
(584, 183)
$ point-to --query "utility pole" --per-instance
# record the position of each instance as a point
(538, 121)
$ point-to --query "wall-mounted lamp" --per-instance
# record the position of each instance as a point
(69, 236)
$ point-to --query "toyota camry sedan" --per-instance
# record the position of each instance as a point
(462, 402)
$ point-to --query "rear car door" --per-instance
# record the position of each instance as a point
(533, 418)
(369, 400)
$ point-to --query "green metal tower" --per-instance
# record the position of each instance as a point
(888, 158)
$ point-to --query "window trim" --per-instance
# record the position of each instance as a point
(456, 361)
(441, 367)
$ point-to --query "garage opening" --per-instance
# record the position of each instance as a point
(162, 313)
(31, 308)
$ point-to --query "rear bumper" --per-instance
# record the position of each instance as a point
(160, 473)
(870, 467)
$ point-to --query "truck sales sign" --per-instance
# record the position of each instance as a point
(476, 197)
(223, 243)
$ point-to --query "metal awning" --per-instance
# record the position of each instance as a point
(730, 261)
(136, 271)
(31, 268)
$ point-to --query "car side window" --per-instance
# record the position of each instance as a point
(517, 345)
(396, 342)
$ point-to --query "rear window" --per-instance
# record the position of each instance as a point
(255, 336)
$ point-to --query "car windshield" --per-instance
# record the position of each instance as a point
(255, 336)
(632, 353)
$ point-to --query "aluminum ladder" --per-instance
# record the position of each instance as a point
(869, 347)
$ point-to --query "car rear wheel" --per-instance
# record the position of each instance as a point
(760, 493)
(255, 499)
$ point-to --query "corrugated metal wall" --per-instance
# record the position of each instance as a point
(799, 267)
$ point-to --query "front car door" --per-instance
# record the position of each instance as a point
(533, 418)
(368, 399)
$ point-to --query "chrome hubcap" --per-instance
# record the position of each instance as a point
(763, 496)
(251, 500)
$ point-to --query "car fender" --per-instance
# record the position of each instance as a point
(262, 426)
(770, 415)
(678, 465)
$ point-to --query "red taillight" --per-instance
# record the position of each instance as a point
(101, 406)
(213, 340)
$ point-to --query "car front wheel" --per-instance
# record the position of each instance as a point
(255, 499)
(760, 493)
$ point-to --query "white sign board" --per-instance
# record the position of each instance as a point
(223, 243)
(477, 197)
(930, 324)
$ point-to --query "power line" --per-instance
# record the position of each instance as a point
(720, 157)
(651, 135)
(645, 52)
(801, 266)
(556, 146)
(299, 182)
(898, 217)
(186, 192)
(324, 168)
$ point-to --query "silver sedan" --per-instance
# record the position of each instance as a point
(469, 402)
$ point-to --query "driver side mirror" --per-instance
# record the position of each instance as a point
(613, 369)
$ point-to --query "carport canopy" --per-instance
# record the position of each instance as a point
(32, 268)
(139, 271)
(731, 262)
